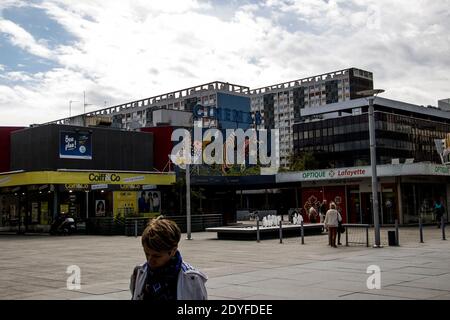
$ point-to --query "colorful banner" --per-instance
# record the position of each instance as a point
(75, 145)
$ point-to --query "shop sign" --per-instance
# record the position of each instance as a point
(313, 174)
(347, 173)
(133, 179)
(442, 170)
(148, 187)
(83, 178)
(98, 177)
(75, 145)
(76, 186)
(99, 186)
(130, 187)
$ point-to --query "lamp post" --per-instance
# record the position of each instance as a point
(371, 95)
(188, 202)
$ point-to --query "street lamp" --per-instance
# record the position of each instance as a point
(370, 96)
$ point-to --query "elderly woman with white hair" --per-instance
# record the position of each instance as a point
(332, 219)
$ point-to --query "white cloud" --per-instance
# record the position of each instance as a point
(127, 50)
(24, 40)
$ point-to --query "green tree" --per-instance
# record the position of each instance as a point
(303, 161)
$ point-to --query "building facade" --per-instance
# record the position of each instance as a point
(338, 135)
(281, 105)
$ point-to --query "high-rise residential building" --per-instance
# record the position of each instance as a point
(282, 104)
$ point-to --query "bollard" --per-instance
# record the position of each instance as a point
(346, 236)
(257, 229)
(396, 233)
(367, 236)
(135, 228)
(281, 231)
(421, 230)
(443, 227)
(302, 230)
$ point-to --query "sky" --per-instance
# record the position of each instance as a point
(116, 51)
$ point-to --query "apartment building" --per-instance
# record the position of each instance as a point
(282, 104)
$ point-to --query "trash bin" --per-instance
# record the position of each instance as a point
(391, 238)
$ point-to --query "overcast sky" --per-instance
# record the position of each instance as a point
(118, 50)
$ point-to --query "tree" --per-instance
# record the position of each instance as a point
(303, 161)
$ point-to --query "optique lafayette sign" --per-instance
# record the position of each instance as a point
(335, 174)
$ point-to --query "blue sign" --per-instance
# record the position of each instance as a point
(75, 145)
(231, 112)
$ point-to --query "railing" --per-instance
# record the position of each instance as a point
(356, 234)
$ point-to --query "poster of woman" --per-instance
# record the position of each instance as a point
(100, 208)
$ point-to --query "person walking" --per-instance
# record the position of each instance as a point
(331, 222)
(439, 211)
(165, 276)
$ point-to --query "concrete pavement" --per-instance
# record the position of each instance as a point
(34, 267)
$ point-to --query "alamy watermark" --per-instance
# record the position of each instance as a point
(374, 281)
(74, 280)
(228, 147)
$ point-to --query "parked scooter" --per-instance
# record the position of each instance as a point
(63, 225)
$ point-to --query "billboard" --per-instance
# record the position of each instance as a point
(75, 145)
(149, 202)
(443, 149)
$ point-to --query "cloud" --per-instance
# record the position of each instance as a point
(24, 40)
(127, 50)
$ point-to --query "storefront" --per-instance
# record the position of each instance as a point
(406, 191)
(31, 200)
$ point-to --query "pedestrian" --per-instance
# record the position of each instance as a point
(312, 213)
(439, 211)
(331, 222)
(165, 276)
(323, 210)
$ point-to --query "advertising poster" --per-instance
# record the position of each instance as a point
(149, 202)
(44, 213)
(125, 203)
(75, 145)
(100, 208)
(34, 212)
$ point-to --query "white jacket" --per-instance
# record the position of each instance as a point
(190, 283)
(332, 218)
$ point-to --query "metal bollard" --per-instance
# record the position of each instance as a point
(346, 236)
(281, 231)
(135, 228)
(367, 236)
(302, 232)
(421, 230)
(443, 227)
(257, 229)
(396, 233)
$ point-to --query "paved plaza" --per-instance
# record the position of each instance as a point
(34, 267)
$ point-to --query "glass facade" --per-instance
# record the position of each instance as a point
(344, 141)
(418, 200)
